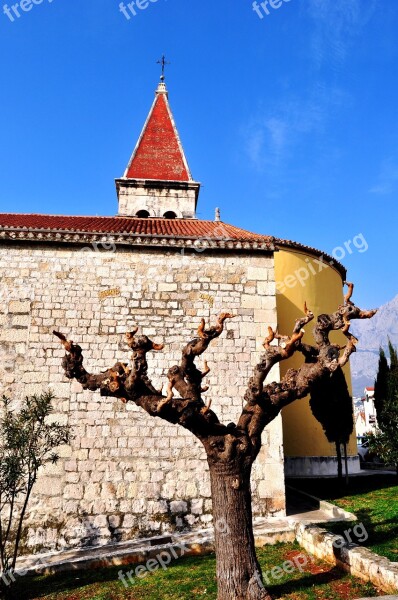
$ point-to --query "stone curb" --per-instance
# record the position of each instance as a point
(124, 553)
(356, 560)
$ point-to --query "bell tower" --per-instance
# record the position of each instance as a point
(157, 181)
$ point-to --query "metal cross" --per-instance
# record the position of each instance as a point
(163, 62)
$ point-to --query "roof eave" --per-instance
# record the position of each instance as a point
(327, 259)
(60, 236)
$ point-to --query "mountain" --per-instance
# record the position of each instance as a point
(372, 334)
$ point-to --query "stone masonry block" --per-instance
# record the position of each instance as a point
(19, 307)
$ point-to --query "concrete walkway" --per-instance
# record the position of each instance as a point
(305, 508)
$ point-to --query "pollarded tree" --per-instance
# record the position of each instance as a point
(231, 449)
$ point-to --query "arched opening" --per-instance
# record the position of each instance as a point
(170, 215)
(142, 214)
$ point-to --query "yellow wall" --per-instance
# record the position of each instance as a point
(300, 278)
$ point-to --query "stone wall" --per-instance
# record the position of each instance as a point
(127, 474)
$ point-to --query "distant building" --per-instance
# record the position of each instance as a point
(366, 418)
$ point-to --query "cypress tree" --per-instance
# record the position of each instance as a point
(384, 441)
(381, 385)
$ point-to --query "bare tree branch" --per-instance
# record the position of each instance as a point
(265, 402)
(131, 382)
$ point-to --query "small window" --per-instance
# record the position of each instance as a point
(170, 215)
(142, 214)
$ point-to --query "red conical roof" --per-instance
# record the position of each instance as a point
(159, 154)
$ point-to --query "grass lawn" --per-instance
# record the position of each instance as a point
(192, 578)
(374, 500)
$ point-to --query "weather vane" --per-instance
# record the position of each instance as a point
(163, 62)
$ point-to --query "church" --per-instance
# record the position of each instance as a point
(154, 265)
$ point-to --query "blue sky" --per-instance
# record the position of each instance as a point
(289, 121)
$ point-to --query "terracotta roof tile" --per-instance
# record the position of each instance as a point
(176, 228)
(159, 154)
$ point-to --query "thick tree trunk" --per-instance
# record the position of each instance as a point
(238, 571)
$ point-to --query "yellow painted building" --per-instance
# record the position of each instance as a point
(305, 275)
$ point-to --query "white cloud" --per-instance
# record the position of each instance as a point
(270, 139)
